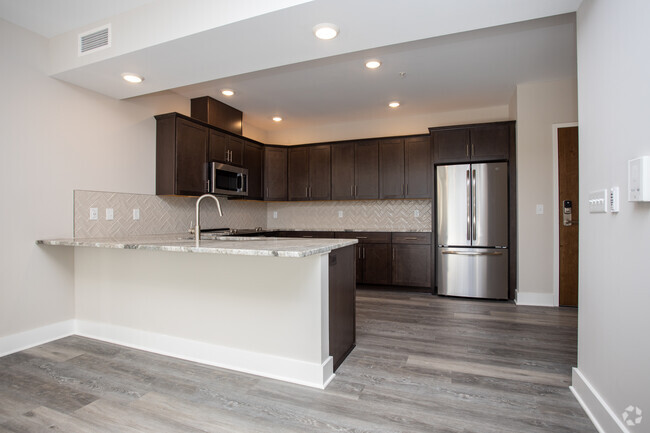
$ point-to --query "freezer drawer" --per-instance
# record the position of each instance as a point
(472, 272)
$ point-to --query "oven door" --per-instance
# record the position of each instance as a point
(228, 180)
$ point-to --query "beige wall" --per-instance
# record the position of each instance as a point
(613, 344)
(386, 127)
(56, 138)
(539, 106)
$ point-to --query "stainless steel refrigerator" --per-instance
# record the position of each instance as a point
(472, 228)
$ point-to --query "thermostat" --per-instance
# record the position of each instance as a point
(638, 179)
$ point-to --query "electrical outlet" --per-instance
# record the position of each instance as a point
(136, 214)
(340, 214)
(109, 213)
(94, 214)
(275, 214)
(416, 213)
(539, 210)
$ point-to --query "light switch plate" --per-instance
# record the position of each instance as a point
(416, 213)
(275, 214)
(539, 209)
(136, 214)
(340, 214)
(598, 201)
(109, 213)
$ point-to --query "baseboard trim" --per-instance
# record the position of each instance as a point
(534, 299)
(35, 337)
(289, 370)
(603, 417)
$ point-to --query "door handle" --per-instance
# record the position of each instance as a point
(463, 253)
(474, 205)
(469, 206)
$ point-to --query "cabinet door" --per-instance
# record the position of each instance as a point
(343, 171)
(451, 145)
(235, 149)
(367, 170)
(341, 303)
(412, 265)
(217, 148)
(191, 158)
(417, 154)
(253, 160)
(299, 173)
(376, 263)
(275, 173)
(391, 168)
(319, 172)
(490, 142)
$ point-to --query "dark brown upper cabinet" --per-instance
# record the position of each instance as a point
(181, 156)
(465, 143)
(417, 169)
(405, 168)
(355, 170)
(253, 161)
(275, 173)
(225, 148)
(391, 168)
(309, 173)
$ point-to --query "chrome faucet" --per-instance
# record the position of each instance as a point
(197, 227)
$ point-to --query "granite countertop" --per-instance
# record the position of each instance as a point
(231, 245)
(351, 230)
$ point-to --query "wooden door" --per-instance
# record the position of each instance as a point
(275, 173)
(490, 142)
(298, 173)
(319, 172)
(343, 171)
(568, 190)
(253, 161)
(412, 265)
(417, 170)
(376, 264)
(391, 168)
(217, 148)
(191, 158)
(366, 167)
(451, 145)
(235, 148)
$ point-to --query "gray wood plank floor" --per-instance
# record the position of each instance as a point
(422, 364)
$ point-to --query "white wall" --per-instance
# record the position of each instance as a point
(538, 105)
(382, 127)
(56, 138)
(613, 344)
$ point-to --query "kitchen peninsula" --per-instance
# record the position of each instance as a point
(280, 308)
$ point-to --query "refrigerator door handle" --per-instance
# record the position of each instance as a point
(469, 206)
(465, 253)
(473, 205)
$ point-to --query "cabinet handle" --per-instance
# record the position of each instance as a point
(306, 191)
(393, 254)
(410, 239)
(310, 192)
(351, 190)
(364, 253)
(467, 149)
(359, 250)
(362, 237)
(355, 190)
(472, 148)
(267, 192)
(407, 189)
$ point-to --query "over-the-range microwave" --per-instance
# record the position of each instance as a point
(228, 180)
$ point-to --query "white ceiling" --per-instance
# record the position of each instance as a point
(458, 54)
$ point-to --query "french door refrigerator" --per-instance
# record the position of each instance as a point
(472, 228)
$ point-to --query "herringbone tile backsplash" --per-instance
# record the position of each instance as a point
(370, 215)
(170, 214)
(158, 214)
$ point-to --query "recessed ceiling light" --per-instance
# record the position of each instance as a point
(394, 104)
(373, 64)
(227, 92)
(326, 31)
(277, 119)
(132, 78)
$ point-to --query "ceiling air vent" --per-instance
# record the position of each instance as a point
(94, 40)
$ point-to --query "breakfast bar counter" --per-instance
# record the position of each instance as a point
(275, 307)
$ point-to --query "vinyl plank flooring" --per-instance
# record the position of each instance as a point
(422, 364)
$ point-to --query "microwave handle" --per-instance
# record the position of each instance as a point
(241, 181)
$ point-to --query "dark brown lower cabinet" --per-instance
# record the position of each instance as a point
(376, 264)
(412, 265)
(342, 324)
